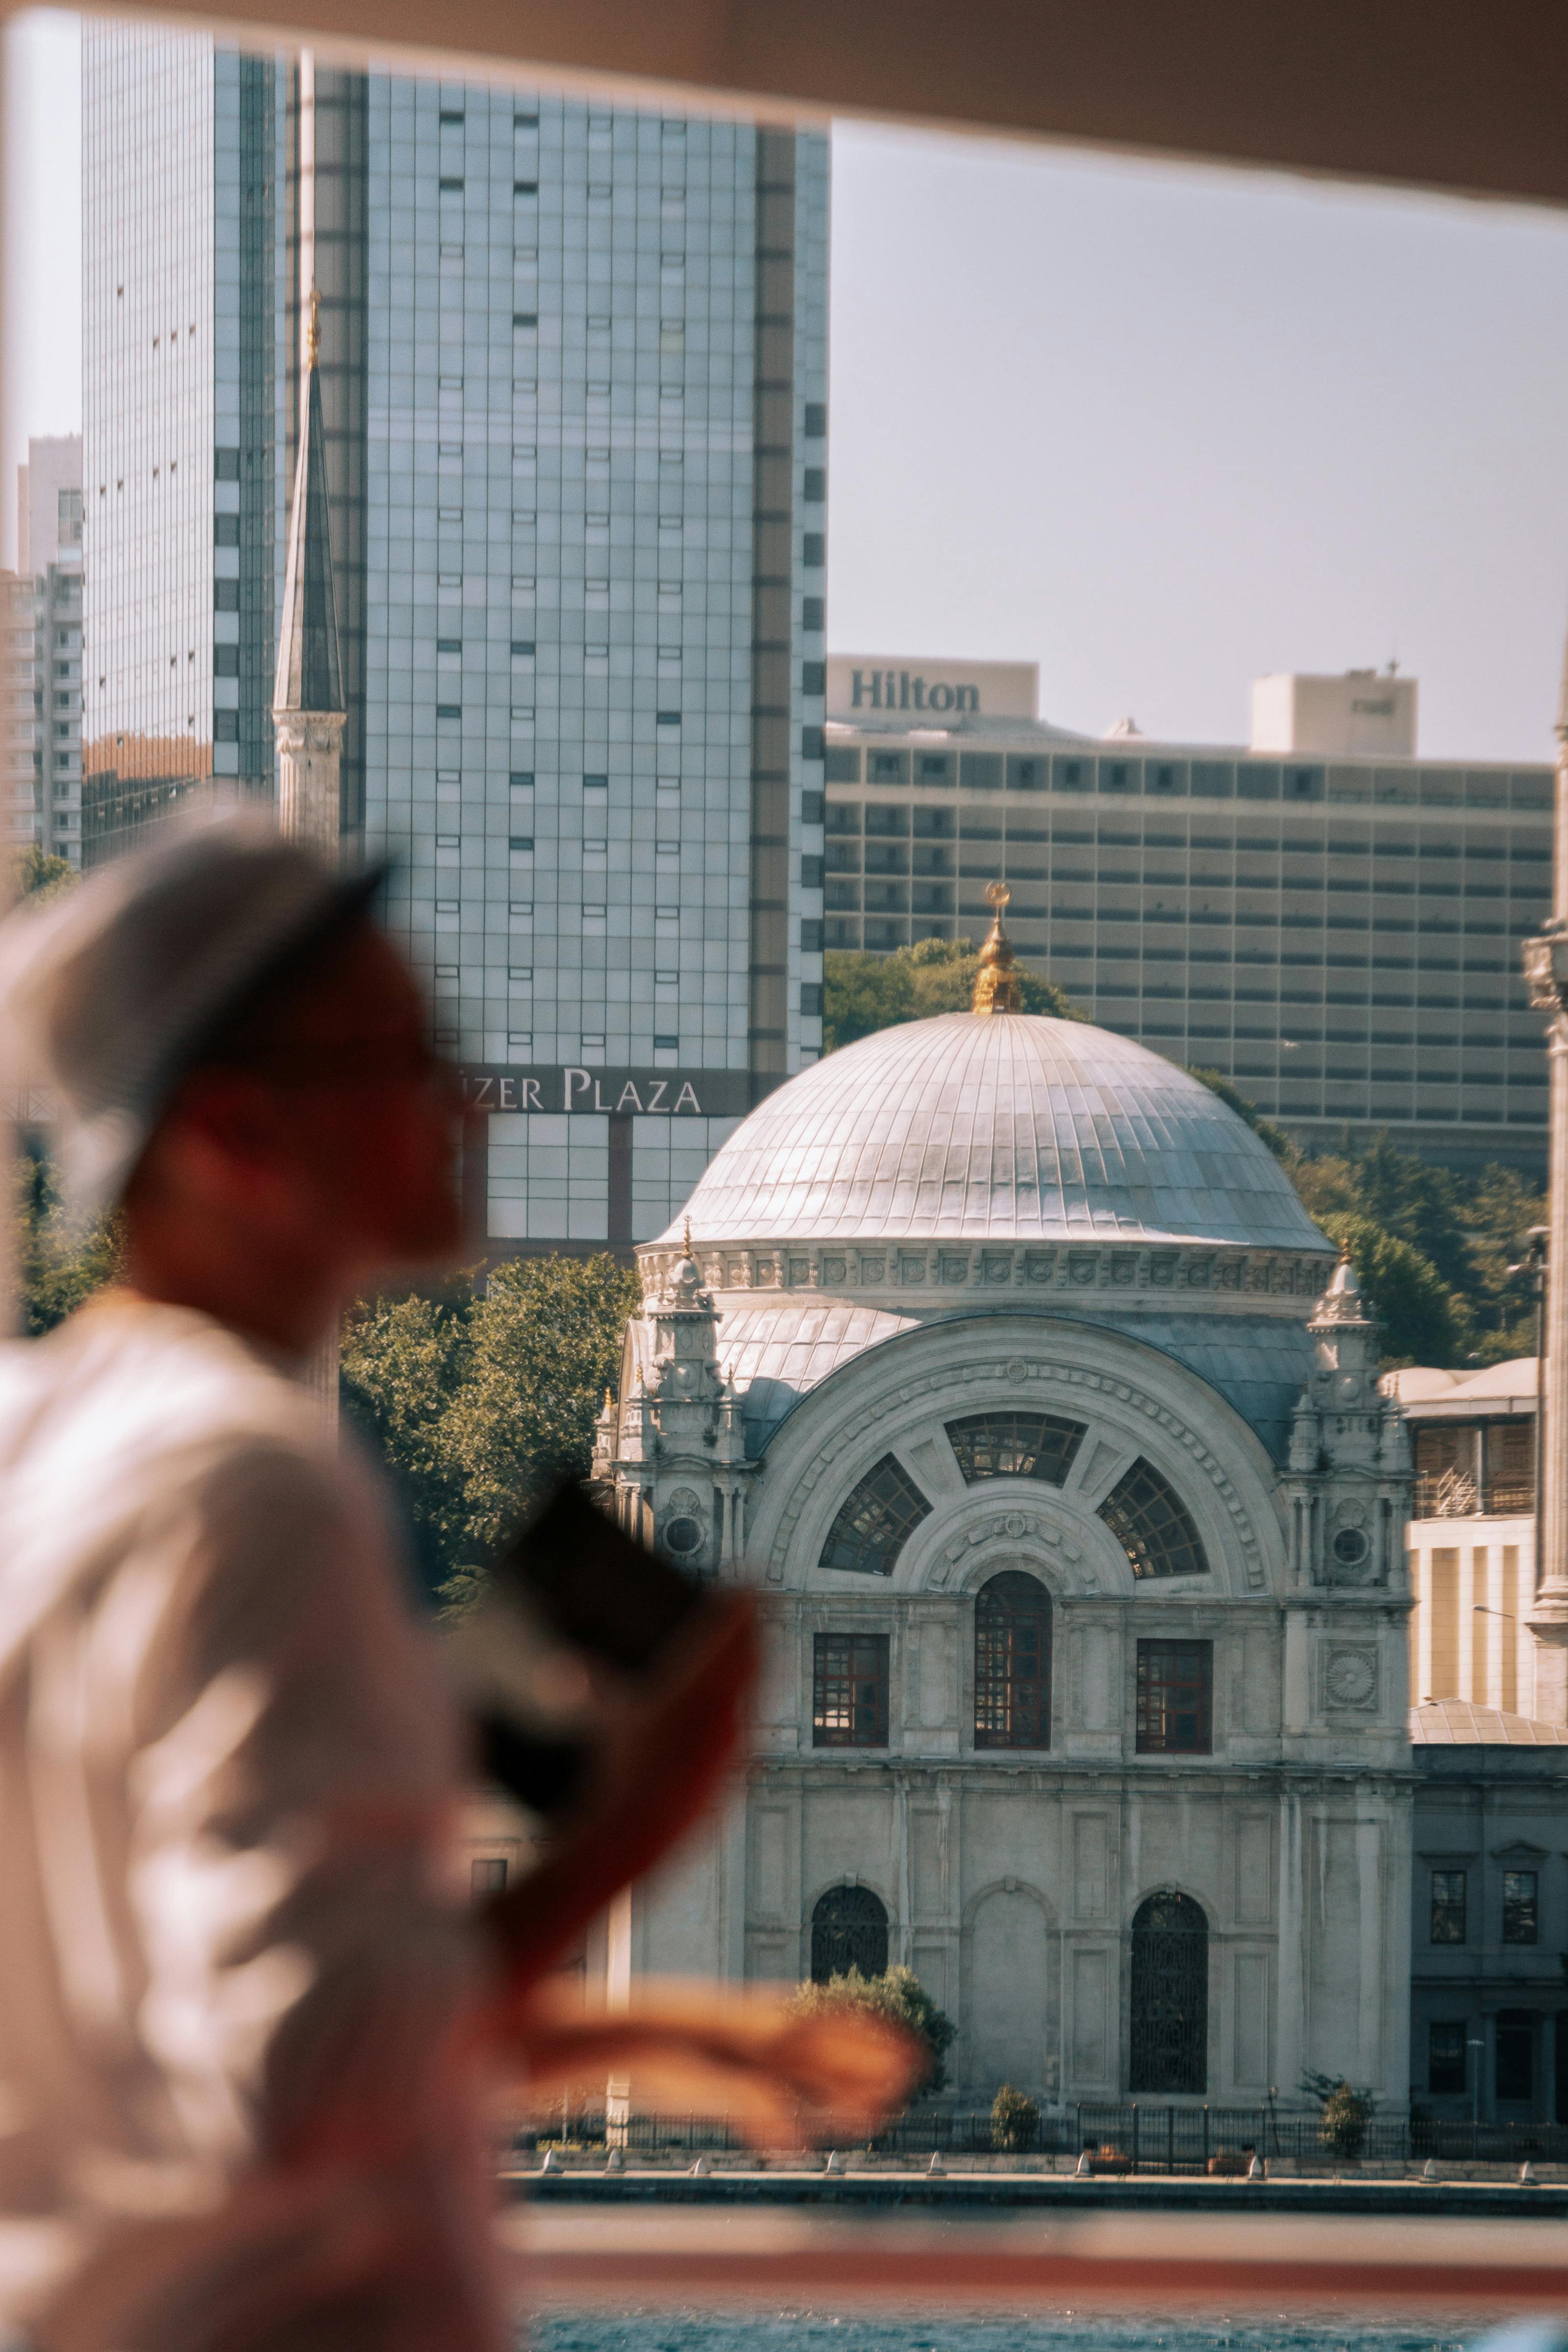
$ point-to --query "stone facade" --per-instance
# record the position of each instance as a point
(1138, 1814)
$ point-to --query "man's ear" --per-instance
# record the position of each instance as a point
(224, 1119)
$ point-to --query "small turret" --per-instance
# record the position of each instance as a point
(1350, 1453)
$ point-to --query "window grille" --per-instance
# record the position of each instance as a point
(849, 1930)
(1448, 1925)
(1013, 1663)
(1520, 1906)
(1152, 1525)
(1169, 2038)
(1446, 2057)
(849, 1691)
(488, 1877)
(1176, 1698)
(1015, 1445)
(876, 1521)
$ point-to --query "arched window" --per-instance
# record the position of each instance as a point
(1170, 2036)
(1015, 1445)
(878, 1520)
(1013, 1663)
(1152, 1525)
(849, 1930)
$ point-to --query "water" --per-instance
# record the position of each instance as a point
(816, 2331)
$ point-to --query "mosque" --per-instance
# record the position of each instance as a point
(1001, 1355)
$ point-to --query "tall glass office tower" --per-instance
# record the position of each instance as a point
(573, 364)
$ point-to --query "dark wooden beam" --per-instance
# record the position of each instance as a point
(1443, 94)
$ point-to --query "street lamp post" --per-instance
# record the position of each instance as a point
(1477, 2042)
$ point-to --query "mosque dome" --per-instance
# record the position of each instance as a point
(1008, 1127)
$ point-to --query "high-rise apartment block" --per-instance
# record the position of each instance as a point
(19, 728)
(573, 372)
(40, 755)
(1340, 933)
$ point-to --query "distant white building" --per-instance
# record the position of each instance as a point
(1363, 714)
(1471, 1541)
(48, 503)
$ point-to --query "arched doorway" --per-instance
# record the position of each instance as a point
(849, 1930)
(1013, 1663)
(1169, 2035)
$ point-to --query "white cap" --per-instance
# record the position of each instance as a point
(112, 991)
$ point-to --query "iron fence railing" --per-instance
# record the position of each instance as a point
(1454, 1494)
(1123, 2137)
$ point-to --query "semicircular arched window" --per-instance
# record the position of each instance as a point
(1015, 1445)
(876, 1521)
(849, 1930)
(1152, 1525)
(1013, 1663)
(1169, 2042)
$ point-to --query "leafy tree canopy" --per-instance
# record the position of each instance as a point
(35, 875)
(897, 1993)
(1424, 1322)
(480, 1402)
(865, 992)
(56, 1268)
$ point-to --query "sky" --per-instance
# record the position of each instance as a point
(1161, 429)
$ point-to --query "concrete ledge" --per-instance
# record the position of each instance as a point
(981, 2192)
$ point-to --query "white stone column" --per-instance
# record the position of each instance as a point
(618, 1996)
(1549, 1616)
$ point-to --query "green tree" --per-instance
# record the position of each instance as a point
(898, 1994)
(866, 992)
(479, 1401)
(401, 1370)
(57, 1266)
(544, 1345)
(1343, 2112)
(1015, 2122)
(1499, 1214)
(35, 875)
(1423, 1321)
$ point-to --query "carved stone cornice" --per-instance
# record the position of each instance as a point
(910, 1273)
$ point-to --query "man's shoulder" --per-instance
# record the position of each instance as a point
(119, 1396)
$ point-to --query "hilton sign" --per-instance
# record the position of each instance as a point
(862, 686)
(630, 1093)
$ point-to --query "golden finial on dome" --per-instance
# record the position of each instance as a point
(313, 331)
(997, 986)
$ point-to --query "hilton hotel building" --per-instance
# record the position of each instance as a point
(1331, 921)
(573, 368)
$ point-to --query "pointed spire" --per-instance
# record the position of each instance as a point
(997, 986)
(310, 672)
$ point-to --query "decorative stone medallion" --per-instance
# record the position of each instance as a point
(1350, 1678)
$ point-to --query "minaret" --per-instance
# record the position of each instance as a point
(1546, 970)
(998, 987)
(309, 711)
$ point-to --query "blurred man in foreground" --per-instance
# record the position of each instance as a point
(243, 2019)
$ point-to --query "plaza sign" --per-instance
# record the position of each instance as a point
(566, 1087)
